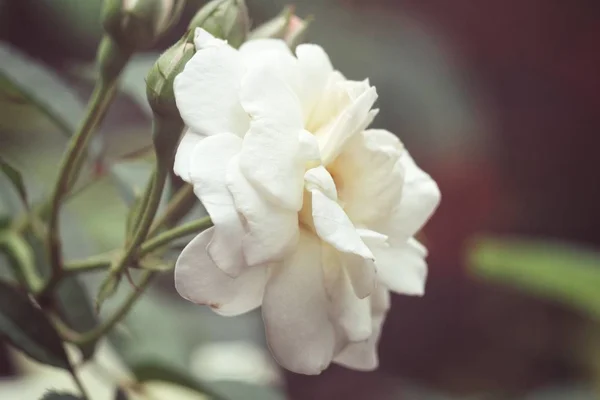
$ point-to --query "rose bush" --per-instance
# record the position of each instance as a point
(314, 214)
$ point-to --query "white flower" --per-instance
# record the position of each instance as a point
(314, 213)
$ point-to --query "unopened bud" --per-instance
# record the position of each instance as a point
(137, 24)
(297, 31)
(276, 28)
(224, 19)
(159, 81)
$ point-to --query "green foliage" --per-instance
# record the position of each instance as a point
(60, 396)
(41, 87)
(21, 258)
(73, 303)
(556, 271)
(146, 372)
(15, 178)
(27, 328)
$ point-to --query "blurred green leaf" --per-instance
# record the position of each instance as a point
(21, 258)
(145, 372)
(133, 80)
(41, 87)
(60, 396)
(10, 201)
(76, 309)
(27, 328)
(130, 178)
(16, 179)
(556, 271)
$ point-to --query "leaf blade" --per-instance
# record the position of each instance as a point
(557, 271)
(15, 177)
(60, 396)
(76, 309)
(27, 328)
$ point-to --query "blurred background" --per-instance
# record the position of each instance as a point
(498, 100)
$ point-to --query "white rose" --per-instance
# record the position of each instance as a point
(314, 214)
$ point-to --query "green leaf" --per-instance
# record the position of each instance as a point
(556, 271)
(21, 258)
(15, 177)
(133, 80)
(41, 87)
(60, 396)
(145, 372)
(28, 329)
(130, 178)
(76, 310)
(31, 83)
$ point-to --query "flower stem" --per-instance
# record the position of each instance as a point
(104, 261)
(100, 261)
(152, 201)
(179, 205)
(69, 169)
(175, 233)
(78, 382)
(109, 324)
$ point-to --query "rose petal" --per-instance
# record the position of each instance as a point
(272, 231)
(199, 280)
(265, 95)
(334, 227)
(351, 314)
(275, 57)
(363, 356)
(347, 124)
(331, 102)
(183, 156)
(273, 162)
(207, 90)
(402, 268)
(315, 69)
(362, 273)
(370, 176)
(208, 170)
(299, 332)
(319, 179)
(420, 198)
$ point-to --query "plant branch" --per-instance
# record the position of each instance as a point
(78, 382)
(175, 233)
(179, 205)
(68, 170)
(94, 334)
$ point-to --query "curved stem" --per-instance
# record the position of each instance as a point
(175, 233)
(100, 261)
(69, 169)
(79, 383)
(179, 205)
(109, 324)
(104, 261)
(153, 201)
